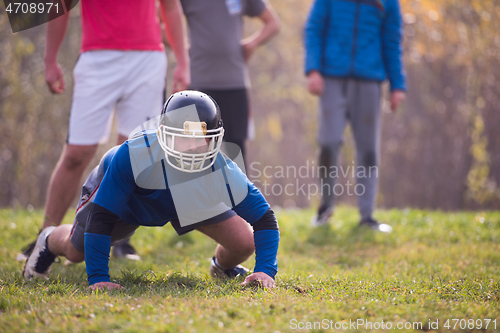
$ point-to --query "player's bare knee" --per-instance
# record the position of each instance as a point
(249, 249)
(74, 255)
(245, 248)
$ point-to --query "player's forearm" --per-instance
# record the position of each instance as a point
(97, 248)
(56, 29)
(174, 30)
(266, 251)
(98, 230)
(266, 237)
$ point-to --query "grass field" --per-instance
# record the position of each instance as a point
(434, 266)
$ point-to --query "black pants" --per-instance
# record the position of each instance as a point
(234, 105)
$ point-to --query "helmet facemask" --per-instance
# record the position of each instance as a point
(170, 139)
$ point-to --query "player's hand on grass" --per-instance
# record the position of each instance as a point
(182, 78)
(260, 279)
(397, 96)
(55, 78)
(315, 83)
(104, 285)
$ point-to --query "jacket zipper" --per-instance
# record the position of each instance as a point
(355, 38)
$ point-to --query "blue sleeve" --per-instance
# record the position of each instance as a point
(118, 183)
(246, 199)
(315, 34)
(97, 249)
(392, 44)
(266, 251)
(253, 207)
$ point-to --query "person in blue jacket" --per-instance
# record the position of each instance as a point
(351, 47)
(175, 174)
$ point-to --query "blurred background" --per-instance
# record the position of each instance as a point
(441, 150)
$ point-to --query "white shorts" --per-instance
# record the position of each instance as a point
(131, 82)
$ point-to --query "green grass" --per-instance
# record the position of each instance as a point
(434, 266)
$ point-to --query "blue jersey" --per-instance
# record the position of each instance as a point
(141, 188)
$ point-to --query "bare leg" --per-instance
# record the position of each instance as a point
(235, 238)
(59, 243)
(65, 181)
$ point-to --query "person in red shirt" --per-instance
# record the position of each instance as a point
(121, 67)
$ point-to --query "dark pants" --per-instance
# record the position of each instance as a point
(234, 105)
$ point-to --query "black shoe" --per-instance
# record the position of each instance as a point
(217, 272)
(125, 250)
(373, 224)
(323, 215)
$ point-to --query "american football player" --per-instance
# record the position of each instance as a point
(178, 174)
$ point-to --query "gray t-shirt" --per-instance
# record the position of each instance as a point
(215, 31)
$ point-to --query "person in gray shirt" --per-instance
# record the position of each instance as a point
(219, 55)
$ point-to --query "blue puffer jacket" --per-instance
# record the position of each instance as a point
(356, 38)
